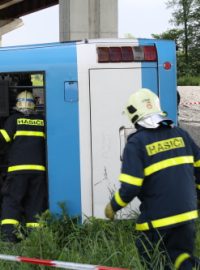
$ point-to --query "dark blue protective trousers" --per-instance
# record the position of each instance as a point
(176, 245)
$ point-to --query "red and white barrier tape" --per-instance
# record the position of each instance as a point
(190, 103)
(57, 264)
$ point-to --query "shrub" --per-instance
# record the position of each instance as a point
(188, 80)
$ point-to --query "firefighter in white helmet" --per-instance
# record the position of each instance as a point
(25, 190)
(25, 102)
(161, 166)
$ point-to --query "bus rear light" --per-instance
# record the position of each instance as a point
(115, 54)
(127, 54)
(138, 53)
(103, 54)
(150, 53)
(167, 65)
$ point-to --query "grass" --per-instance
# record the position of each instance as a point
(97, 242)
(188, 80)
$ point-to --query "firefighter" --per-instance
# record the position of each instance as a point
(24, 191)
(161, 166)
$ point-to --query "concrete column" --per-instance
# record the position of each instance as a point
(9, 25)
(108, 19)
(86, 19)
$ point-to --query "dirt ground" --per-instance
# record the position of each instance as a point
(189, 110)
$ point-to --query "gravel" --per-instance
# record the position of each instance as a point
(189, 110)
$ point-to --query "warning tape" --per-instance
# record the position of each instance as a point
(57, 264)
(190, 103)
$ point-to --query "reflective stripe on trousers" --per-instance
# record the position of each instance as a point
(158, 223)
(9, 222)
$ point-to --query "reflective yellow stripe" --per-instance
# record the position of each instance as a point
(31, 122)
(119, 200)
(33, 225)
(142, 226)
(26, 167)
(29, 133)
(164, 145)
(9, 222)
(197, 163)
(5, 135)
(168, 221)
(180, 259)
(198, 187)
(130, 179)
(167, 163)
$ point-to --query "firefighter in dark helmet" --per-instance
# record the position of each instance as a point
(161, 166)
(24, 191)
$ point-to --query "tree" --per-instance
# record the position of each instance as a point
(186, 17)
(172, 34)
(195, 44)
(129, 35)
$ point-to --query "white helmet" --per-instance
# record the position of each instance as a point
(144, 106)
(25, 102)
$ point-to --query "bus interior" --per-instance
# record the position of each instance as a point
(11, 84)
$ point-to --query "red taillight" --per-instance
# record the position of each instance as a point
(115, 54)
(167, 65)
(103, 54)
(150, 53)
(127, 54)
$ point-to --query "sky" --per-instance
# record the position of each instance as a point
(139, 18)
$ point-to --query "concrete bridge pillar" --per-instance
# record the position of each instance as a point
(88, 19)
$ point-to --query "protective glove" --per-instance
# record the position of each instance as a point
(109, 212)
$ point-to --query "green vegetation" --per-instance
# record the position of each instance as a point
(96, 242)
(188, 80)
(186, 33)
